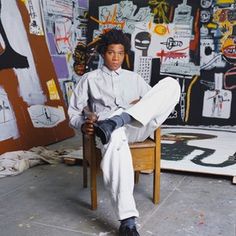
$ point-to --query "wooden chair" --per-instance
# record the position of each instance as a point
(146, 156)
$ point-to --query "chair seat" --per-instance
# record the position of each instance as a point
(145, 144)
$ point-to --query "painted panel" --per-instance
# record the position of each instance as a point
(192, 41)
(32, 111)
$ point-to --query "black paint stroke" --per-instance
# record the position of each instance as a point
(10, 58)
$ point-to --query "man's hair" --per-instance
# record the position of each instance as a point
(113, 36)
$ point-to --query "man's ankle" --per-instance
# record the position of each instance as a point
(122, 119)
(128, 222)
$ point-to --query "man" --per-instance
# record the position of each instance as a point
(126, 109)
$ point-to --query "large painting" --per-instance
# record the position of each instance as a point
(192, 41)
(65, 23)
(206, 150)
(32, 111)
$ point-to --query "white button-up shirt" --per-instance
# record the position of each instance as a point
(105, 91)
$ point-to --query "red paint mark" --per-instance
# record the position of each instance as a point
(172, 54)
(195, 42)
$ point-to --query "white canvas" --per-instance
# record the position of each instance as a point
(199, 149)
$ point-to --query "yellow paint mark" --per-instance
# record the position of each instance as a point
(114, 14)
(160, 29)
(68, 56)
(212, 25)
(111, 22)
(52, 89)
(188, 100)
(127, 60)
(149, 25)
(225, 2)
(94, 41)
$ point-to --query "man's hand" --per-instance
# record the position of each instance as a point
(87, 127)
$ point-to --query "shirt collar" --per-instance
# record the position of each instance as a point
(111, 72)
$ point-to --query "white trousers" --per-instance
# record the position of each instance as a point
(149, 113)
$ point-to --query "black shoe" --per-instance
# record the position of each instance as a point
(103, 129)
(126, 231)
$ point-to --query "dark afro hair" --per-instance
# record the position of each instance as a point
(113, 36)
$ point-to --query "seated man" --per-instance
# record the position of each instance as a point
(126, 110)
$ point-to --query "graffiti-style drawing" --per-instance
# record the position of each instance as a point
(209, 59)
(182, 101)
(25, 70)
(218, 35)
(109, 20)
(229, 79)
(123, 15)
(206, 3)
(217, 103)
(35, 25)
(196, 149)
(63, 35)
(180, 149)
(59, 7)
(52, 89)
(29, 84)
(79, 57)
(170, 43)
(69, 87)
(9, 58)
(46, 116)
(7, 118)
(65, 24)
(177, 62)
(142, 42)
(159, 9)
(192, 41)
(228, 47)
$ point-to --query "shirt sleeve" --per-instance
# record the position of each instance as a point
(78, 101)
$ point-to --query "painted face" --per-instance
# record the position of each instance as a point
(114, 56)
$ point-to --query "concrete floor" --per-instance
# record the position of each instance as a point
(49, 200)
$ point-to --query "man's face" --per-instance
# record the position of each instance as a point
(114, 56)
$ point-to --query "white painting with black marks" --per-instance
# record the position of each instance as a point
(8, 124)
(46, 116)
(17, 53)
(199, 149)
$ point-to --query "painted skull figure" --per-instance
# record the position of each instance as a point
(142, 42)
(206, 3)
(205, 16)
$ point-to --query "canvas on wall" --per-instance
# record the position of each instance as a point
(65, 23)
(191, 41)
(32, 111)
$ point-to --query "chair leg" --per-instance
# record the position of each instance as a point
(156, 178)
(156, 186)
(85, 173)
(85, 165)
(157, 170)
(93, 176)
(136, 177)
(93, 187)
